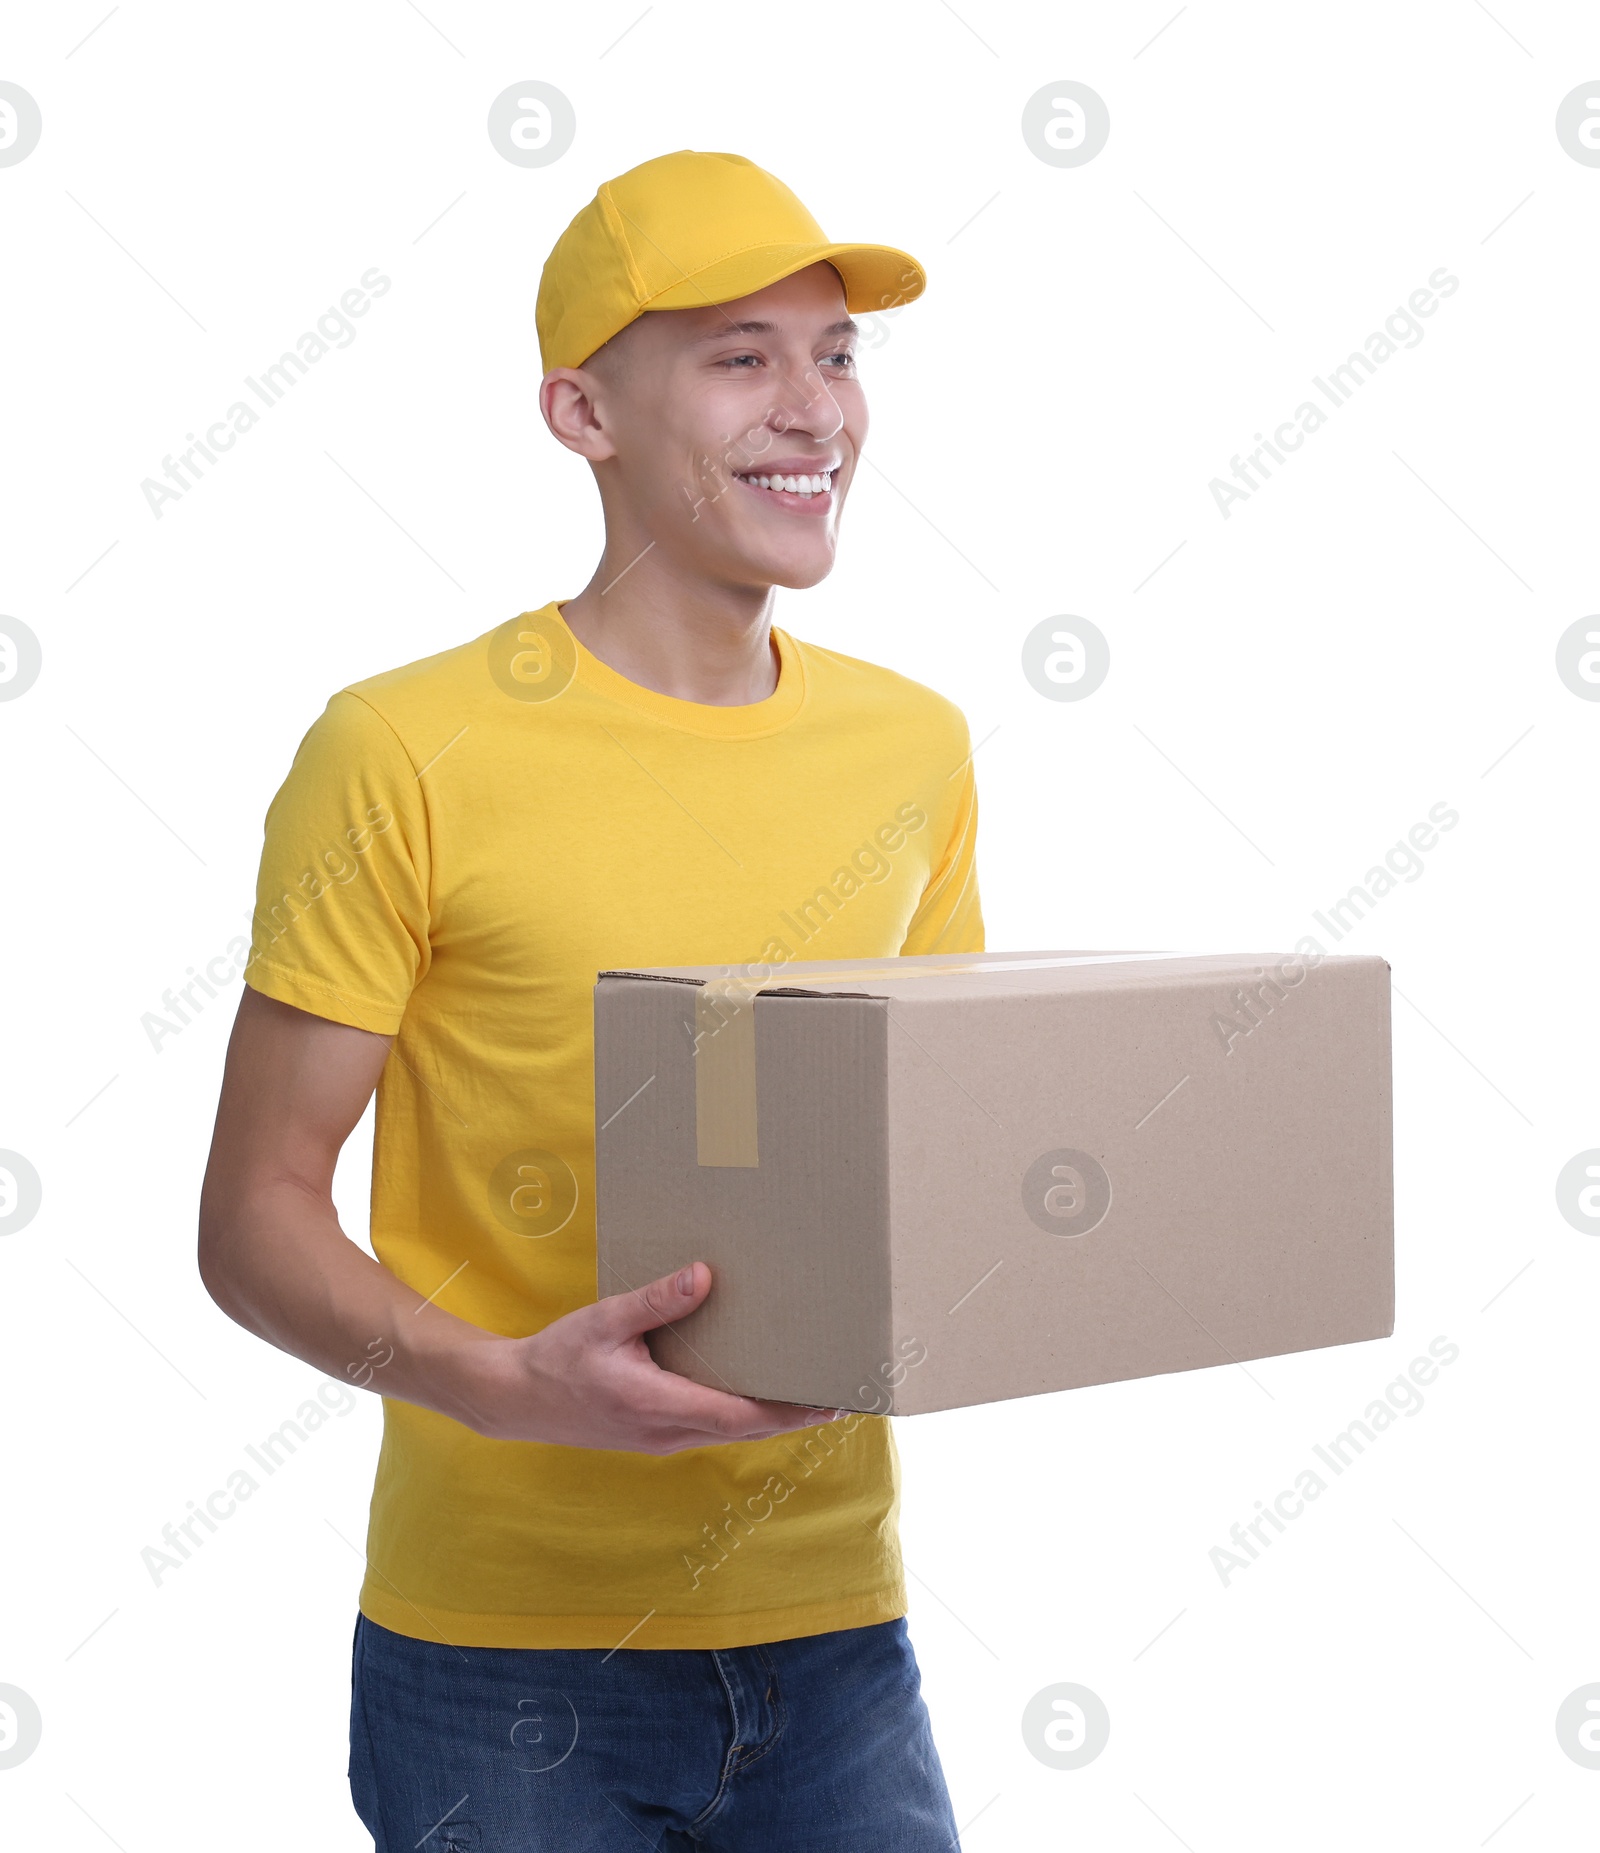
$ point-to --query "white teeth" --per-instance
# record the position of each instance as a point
(795, 485)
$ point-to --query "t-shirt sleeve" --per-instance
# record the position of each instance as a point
(341, 918)
(949, 917)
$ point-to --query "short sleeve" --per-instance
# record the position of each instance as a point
(341, 917)
(949, 917)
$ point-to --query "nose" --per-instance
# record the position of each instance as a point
(804, 403)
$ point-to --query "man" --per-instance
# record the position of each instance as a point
(570, 1635)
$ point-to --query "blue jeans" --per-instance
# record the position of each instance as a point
(819, 1744)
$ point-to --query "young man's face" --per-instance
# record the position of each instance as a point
(696, 405)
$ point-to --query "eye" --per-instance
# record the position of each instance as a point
(735, 360)
(845, 356)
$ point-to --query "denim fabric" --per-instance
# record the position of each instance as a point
(819, 1744)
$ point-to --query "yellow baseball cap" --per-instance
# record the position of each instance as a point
(685, 230)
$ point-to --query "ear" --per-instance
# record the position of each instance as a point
(570, 404)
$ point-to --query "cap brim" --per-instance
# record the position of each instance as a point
(875, 276)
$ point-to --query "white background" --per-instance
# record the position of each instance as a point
(1370, 634)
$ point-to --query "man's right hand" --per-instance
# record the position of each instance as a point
(587, 1380)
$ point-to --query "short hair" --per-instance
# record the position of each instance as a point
(613, 359)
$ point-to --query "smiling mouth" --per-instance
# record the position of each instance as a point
(819, 483)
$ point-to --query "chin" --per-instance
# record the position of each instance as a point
(794, 573)
(799, 578)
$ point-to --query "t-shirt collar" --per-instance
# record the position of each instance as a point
(743, 722)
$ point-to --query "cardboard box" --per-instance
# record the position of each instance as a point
(928, 1182)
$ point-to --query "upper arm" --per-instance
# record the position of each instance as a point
(293, 1089)
(340, 940)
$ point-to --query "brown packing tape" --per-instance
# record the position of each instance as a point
(725, 1072)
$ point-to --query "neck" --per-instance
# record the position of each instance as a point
(692, 638)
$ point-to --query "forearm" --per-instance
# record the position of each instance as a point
(281, 1266)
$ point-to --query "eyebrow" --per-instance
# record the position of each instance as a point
(726, 331)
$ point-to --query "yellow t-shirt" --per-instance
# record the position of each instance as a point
(460, 846)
